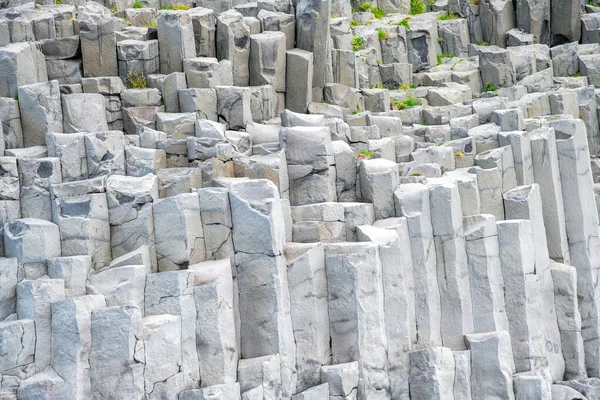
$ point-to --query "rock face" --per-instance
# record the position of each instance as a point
(305, 199)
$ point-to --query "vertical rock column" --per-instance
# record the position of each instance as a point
(172, 293)
(547, 175)
(41, 111)
(312, 34)
(233, 39)
(399, 303)
(524, 202)
(311, 172)
(517, 257)
(72, 340)
(356, 301)
(178, 231)
(80, 210)
(491, 361)
(264, 299)
(117, 353)
(310, 316)
(452, 267)
(36, 175)
(130, 214)
(485, 273)
(412, 202)
(299, 76)
(216, 342)
(581, 220)
(34, 301)
(98, 40)
(175, 40)
(569, 319)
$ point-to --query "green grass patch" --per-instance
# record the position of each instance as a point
(417, 7)
(176, 7)
(489, 87)
(447, 17)
(137, 80)
(357, 43)
(383, 35)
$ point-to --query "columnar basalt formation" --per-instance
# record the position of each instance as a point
(299, 199)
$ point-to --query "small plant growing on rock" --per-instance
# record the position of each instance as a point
(447, 16)
(404, 23)
(354, 23)
(357, 43)
(474, 2)
(459, 154)
(377, 13)
(136, 80)
(383, 35)
(176, 7)
(138, 4)
(364, 155)
(416, 174)
(405, 86)
(409, 102)
(151, 24)
(364, 7)
(417, 7)
(489, 87)
(440, 57)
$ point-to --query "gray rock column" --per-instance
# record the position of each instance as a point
(569, 319)
(267, 63)
(522, 158)
(70, 150)
(130, 214)
(264, 305)
(379, 178)
(452, 266)
(216, 342)
(565, 21)
(216, 219)
(80, 210)
(105, 153)
(298, 80)
(73, 270)
(233, 38)
(117, 353)
(526, 326)
(34, 300)
(72, 340)
(491, 361)
(36, 175)
(311, 173)
(98, 40)
(399, 301)
(582, 229)
(32, 242)
(547, 174)
(172, 293)
(41, 112)
(489, 184)
(412, 201)
(21, 64)
(312, 34)
(432, 374)
(204, 24)
(310, 316)
(524, 202)
(8, 291)
(356, 300)
(178, 232)
(175, 40)
(485, 273)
